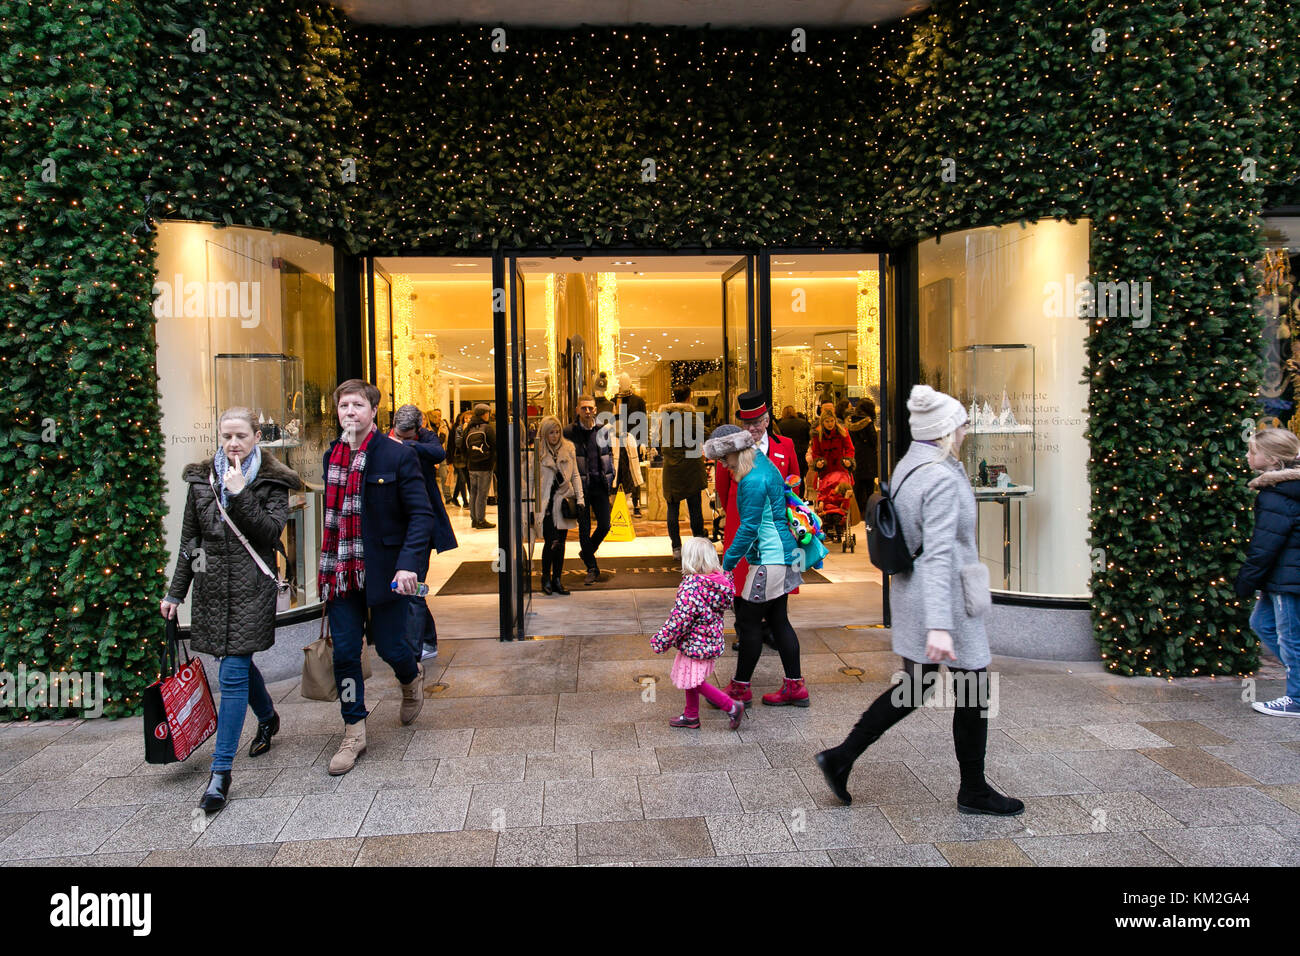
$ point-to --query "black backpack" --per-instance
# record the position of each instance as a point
(476, 445)
(885, 544)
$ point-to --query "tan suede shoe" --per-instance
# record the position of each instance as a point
(413, 698)
(353, 746)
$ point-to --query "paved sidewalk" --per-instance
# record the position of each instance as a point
(553, 752)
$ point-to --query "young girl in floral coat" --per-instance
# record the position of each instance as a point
(694, 627)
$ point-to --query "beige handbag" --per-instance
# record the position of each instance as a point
(318, 664)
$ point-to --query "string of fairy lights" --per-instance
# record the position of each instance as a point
(457, 146)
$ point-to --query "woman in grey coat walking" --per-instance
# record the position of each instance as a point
(938, 606)
(234, 600)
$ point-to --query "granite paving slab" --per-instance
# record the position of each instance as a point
(924, 854)
(57, 794)
(63, 832)
(1221, 807)
(1122, 770)
(1185, 733)
(1267, 762)
(1226, 846)
(388, 774)
(984, 853)
(624, 763)
(596, 736)
(324, 816)
(458, 848)
(1096, 849)
(502, 806)
(798, 859)
(423, 810)
(296, 781)
(538, 846)
(255, 855)
(1036, 775)
(1285, 794)
(781, 790)
(1126, 736)
(335, 852)
(842, 827)
(644, 840)
(735, 834)
(1056, 739)
(1120, 812)
(523, 710)
(688, 795)
(467, 771)
(106, 860)
(436, 744)
(1197, 767)
(591, 801)
(706, 757)
(166, 826)
(870, 784)
(558, 766)
(921, 823)
(255, 820)
(512, 740)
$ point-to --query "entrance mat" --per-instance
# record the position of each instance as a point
(477, 577)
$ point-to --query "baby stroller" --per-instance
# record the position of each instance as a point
(719, 508)
(836, 505)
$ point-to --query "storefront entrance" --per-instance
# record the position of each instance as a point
(633, 331)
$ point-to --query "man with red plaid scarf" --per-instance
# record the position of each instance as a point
(378, 526)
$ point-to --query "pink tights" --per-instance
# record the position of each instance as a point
(711, 693)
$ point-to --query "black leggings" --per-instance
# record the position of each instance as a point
(749, 629)
(553, 541)
(969, 726)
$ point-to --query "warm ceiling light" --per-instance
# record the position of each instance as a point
(624, 262)
(778, 262)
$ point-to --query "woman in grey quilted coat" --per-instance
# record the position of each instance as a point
(234, 600)
(938, 606)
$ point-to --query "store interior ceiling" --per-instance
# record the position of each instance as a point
(686, 13)
(466, 346)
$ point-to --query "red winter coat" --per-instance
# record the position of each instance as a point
(782, 454)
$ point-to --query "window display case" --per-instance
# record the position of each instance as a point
(271, 385)
(996, 384)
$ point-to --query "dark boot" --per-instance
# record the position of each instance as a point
(214, 798)
(546, 585)
(557, 587)
(836, 773)
(266, 729)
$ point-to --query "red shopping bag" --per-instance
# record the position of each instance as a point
(178, 710)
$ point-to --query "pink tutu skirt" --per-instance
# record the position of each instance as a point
(688, 672)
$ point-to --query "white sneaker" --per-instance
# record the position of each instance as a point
(430, 652)
(1280, 707)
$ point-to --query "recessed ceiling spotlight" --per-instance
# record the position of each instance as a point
(465, 265)
(778, 262)
(624, 262)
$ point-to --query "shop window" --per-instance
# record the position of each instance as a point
(1279, 392)
(996, 331)
(247, 318)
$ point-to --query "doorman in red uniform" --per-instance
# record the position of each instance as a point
(752, 414)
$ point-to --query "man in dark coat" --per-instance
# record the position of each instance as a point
(395, 529)
(481, 459)
(422, 632)
(681, 435)
(797, 429)
(593, 443)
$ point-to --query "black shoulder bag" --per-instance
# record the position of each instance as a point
(885, 544)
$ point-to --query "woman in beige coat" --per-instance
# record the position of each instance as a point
(557, 473)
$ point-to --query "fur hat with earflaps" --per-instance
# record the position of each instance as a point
(726, 439)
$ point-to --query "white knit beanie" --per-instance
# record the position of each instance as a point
(933, 414)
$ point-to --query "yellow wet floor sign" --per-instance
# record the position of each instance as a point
(620, 521)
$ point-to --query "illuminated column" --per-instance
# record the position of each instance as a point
(403, 342)
(552, 348)
(608, 334)
(868, 329)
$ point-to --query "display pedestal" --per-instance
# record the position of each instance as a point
(1004, 499)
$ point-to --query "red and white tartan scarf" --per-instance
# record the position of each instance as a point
(342, 558)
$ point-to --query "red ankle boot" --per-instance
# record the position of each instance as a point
(792, 693)
(738, 692)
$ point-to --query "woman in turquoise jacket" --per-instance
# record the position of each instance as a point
(763, 539)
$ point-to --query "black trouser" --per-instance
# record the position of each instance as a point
(597, 506)
(553, 542)
(461, 492)
(675, 519)
(749, 629)
(420, 628)
(970, 728)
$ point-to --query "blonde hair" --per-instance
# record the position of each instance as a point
(947, 444)
(744, 462)
(243, 414)
(1279, 445)
(543, 446)
(699, 556)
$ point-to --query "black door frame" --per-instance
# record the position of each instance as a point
(899, 317)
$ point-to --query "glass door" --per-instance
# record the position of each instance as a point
(515, 465)
(737, 335)
(378, 294)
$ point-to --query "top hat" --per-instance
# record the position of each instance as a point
(751, 405)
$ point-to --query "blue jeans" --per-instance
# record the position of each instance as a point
(387, 633)
(420, 629)
(1276, 619)
(241, 685)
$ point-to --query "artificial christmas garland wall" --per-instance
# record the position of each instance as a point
(289, 117)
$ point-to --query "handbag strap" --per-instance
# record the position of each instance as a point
(239, 534)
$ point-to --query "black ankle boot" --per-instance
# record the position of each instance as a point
(836, 774)
(988, 800)
(557, 587)
(546, 585)
(266, 729)
(214, 798)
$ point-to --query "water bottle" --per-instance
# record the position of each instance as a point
(421, 589)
